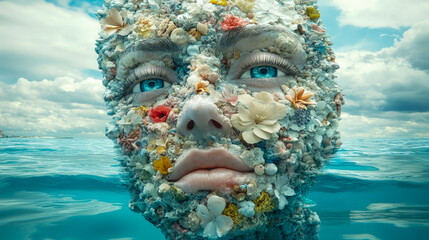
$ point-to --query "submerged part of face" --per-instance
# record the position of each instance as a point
(225, 112)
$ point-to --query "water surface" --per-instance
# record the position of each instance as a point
(74, 189)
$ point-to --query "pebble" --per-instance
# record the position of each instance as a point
(193, 50)
(270, 169)
(165, 187)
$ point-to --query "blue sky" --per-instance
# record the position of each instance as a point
(50, 84)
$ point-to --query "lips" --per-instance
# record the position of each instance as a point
(213, 169)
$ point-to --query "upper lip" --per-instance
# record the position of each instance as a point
(197, 159)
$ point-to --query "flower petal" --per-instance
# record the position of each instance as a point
(244, 114)
(204, 215)
(278, 112)
(210, 230)
(125, 30)
(246, 99)
(270, 128)
(238, 124)
(223, 225)
(300, 92)
(216, 205)
(114, 17)
(257, 109)
(265, 97)
(262, 134)
(287, 191)
(306, 95)
(250, 137)
(268, 122)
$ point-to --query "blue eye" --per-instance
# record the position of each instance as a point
(149, 85)
(263, 72)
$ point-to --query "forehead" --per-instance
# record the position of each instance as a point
(158, 19)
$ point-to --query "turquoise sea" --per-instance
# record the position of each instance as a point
(74, 189)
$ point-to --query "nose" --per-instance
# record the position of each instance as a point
(200, 118)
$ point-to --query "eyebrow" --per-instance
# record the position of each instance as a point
(153, 45)
(232, 37)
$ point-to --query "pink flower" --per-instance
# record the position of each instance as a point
(229, 96)
(232, 22)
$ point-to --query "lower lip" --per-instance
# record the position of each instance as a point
(219, 179)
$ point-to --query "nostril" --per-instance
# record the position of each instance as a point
(190, 125)
(216, 124)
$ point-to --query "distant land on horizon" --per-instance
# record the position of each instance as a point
(2, 135)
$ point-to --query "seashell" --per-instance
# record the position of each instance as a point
(163, 188)
(194, 33)
(202, 28)
(259, 169)
(170, 28)
(213, 77)
(179, 36)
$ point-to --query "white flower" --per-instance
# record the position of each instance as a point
(116, 22)
(214, 223)
(270, 11)
(257, 117)
(200, 7)
(282, 190)
(130, 120)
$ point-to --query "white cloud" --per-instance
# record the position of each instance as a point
(387, 91)
(388, 125)
(61, 107)
(374, 81)
(41, 40)
(381, 13)
(414, 46)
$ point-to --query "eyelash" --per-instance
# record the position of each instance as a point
(262, 59)
(146, 72)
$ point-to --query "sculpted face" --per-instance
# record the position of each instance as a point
(225, 112)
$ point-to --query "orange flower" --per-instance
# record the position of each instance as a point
(299, 98)
(162, 165)
(201, 87)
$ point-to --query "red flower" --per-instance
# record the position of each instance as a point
(159, 114)
(231, 22)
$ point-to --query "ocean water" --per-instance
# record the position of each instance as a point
(74, 189)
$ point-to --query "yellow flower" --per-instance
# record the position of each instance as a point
(144, 27)
(151, 146)
(162, 165)
(220, 2)
(140, 111)
(160, 150)
(257, 116)
(116, 22)
(299, 98)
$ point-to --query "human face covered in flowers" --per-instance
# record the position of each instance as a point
(225, 112)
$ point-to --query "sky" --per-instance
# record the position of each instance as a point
(50, 84)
